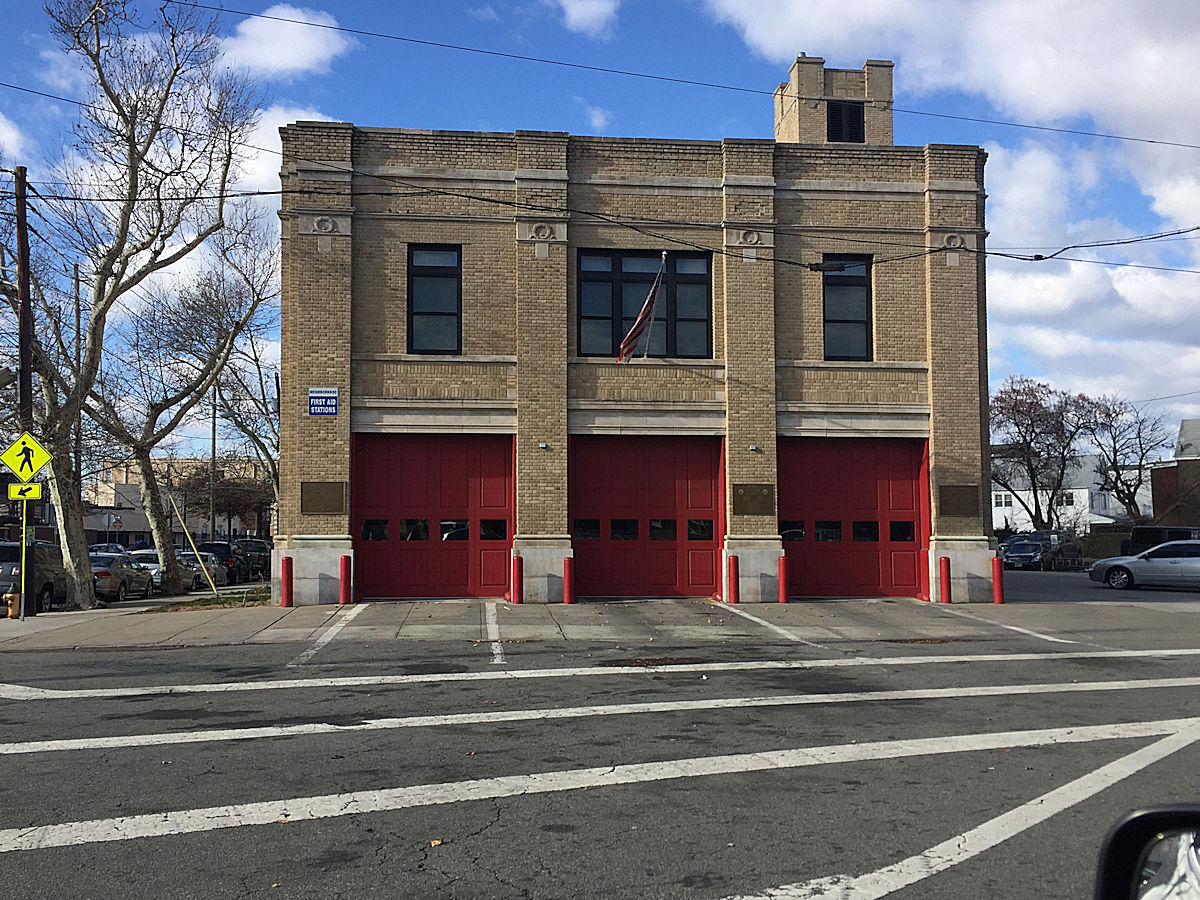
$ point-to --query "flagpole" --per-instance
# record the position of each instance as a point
(662, 270)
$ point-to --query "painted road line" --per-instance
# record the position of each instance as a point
(769, 625)
(299, 809)
(330, 633)
(988, 835)
(23, 692)
(579, 712)
(493, 630)
(955, 612)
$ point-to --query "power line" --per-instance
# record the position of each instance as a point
(417, 190)
(665, 78)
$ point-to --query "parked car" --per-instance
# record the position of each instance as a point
(1028, 555)
(207, 562)
(1061, 548)
(233, 557)
(118, 575)
(259, 553)
(106, 548)
(188, 572)
(1143, 537)
(1174, 564)
(51, 583)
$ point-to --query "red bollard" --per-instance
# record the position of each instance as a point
(285, 582)
(783, 579)
(733, 579)
(569, 579)
(944, 578)
(997, 580)
(344, 582)
(518, 579)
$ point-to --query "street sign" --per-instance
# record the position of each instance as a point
(25, 457)
(25, 492)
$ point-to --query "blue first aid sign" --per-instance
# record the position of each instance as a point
(322, 401)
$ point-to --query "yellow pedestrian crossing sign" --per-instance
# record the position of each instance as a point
(25, 457)
(25, 492)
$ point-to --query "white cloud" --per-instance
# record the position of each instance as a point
(485, 13)
(261, 172)
(13, 144)
(1081, 325)
(63, 72)
(591, 17)
(275, 49)
(598, 118)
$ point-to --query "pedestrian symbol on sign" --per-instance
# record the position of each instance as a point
(26, 459)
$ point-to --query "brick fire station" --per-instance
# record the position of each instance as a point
(812, 384)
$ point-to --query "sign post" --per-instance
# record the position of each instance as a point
(25, 457)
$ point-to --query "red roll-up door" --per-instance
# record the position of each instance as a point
(644, 515)
(432, 515)
(853, 515)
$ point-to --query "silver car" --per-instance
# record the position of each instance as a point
(117, 575)
(1173, 564)
(219, 573)
(190, 575)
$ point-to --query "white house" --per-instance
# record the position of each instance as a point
(1081, 504)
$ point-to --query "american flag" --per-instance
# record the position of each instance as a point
(644, 318)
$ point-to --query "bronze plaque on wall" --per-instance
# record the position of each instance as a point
(754, 499)
(322, 498)
(958, 499)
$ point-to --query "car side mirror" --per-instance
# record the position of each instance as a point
(1151, 853)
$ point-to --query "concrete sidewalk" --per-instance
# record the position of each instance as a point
(674, 620)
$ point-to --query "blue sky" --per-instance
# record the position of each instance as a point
(1102, 66)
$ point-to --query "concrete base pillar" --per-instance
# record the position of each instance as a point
(543, 557)
(758, 568)
(316, 567)
(970, 569)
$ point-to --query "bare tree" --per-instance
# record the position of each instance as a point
(1127, 439)
(171, 353)
(156, 146)
(248, 389)
(1035, 433)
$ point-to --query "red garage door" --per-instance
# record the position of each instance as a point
(644, 515)
(432, 515)
(853, 515)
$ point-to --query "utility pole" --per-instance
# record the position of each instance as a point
(24, 368)
(79, 415)
(212, 474)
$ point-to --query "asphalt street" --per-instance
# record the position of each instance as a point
(863, 748)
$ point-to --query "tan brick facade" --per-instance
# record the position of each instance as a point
(522, 205)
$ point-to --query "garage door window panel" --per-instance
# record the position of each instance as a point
(700, 529)
(827, 531)
(623, 530)
(375, 530)
(434, 299)
(662, 529)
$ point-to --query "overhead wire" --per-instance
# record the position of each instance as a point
(359, 32)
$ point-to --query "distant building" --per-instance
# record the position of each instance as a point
(113, 511)
(1176, 482)
(1080, 505)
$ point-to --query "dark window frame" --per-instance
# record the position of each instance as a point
(841, 279)
(666, 313)
(845, 122)
(455, 272)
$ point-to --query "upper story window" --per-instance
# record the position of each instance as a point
(845, 121)
(848, 307)
(434, 298)
(613, 285)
